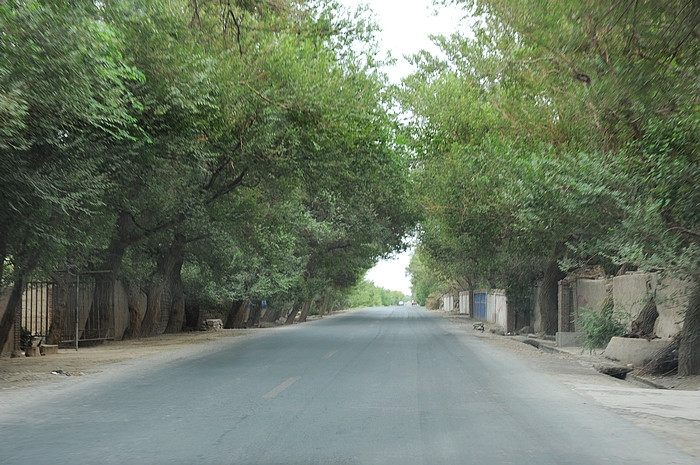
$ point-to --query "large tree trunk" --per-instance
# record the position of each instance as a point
(11, 316)
(689, 349)
(305, 310)
(60, 308)
(177, 307)
(324, 305)
(272, 314)
(293, 313)
(136, 311)
(164, 269)
(254, 317)
(3, 250)
(547, 296)
(643, 325)
(101, 308)
(154, 299)
(236, 316)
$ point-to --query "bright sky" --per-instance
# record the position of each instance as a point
(406, 25)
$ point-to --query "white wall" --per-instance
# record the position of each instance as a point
(496, 308)
(448, 302)
(464, 303)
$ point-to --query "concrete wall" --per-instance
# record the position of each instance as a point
(448, 303)
(632, 291)
(590, 293)
(464, 303)
(633, 351)
(501, 309)
(496, 308)
(672, 296)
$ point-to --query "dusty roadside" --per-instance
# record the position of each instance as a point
(22, 372)
(671, 413)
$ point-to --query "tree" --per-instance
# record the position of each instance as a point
(423, 281)
(251, 128)
(63, 99)
(615, 80)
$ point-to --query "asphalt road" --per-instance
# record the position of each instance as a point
(382, 386)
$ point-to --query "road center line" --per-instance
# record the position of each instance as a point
(330, 354)
(285, 384)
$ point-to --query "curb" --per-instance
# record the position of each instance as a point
(630, 378)
(643, 381)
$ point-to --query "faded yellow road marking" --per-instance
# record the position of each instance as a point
(275, 392)
(330, 354)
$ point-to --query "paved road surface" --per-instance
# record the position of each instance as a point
(383, 386)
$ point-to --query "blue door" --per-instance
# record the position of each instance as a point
(480, 305)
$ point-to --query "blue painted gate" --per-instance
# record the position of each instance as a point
(480, 305)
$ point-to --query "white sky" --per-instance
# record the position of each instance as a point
(406, 25)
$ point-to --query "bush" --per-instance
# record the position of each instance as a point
(600, 326)
(25, 338)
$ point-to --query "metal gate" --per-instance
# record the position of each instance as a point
(81, 308)
(37, 307)
(480, 305)
(567, 312)
(91, 314)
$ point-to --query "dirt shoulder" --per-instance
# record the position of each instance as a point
(575, 354)
(668, 407)
(22, 372)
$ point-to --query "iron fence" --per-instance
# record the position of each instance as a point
(79, 309)
(37, 307)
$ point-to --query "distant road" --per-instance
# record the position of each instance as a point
(394, 385)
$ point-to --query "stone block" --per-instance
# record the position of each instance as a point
(32, 352)
(212, 324)
(634, 351)
(48, 349)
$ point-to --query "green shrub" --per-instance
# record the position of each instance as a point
(25, 338)
(600, 326)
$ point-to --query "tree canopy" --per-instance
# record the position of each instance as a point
(558, 135)
(245, 144)
(248, 150)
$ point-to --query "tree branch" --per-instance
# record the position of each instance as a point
(257, 92)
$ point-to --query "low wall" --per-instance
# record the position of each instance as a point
(464, 303)
(672, 297)
(591, 293)
(497, 308)
(448, 303)
(632, 291)
(636, 352)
